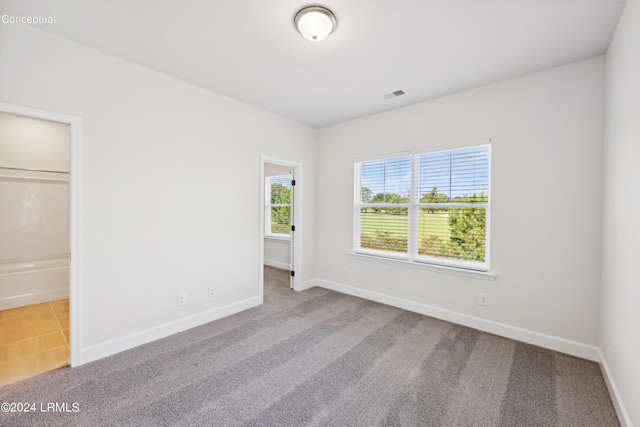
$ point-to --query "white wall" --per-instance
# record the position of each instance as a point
(33, 144)
(277, 252)
(546, 130)
(34, 206)
(171, 185)
(271, 169)
(620, 295)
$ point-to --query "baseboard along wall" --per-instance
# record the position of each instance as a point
(34, 298)
(531, 337)
(621, 410)
(136, 339)
(277, 264)
(561, 345)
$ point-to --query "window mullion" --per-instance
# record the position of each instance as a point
(357, 194)
(412, 242)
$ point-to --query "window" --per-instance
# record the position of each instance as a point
(430, 207)
(278, 206)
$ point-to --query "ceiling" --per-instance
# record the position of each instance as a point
(249, 50)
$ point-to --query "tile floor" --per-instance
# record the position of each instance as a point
(33, 339)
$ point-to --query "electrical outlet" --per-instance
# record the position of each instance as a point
(182, 299)
(212, 291)
(483, 299)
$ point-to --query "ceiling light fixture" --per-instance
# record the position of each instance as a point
(315, 23)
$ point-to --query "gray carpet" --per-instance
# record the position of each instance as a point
(321, 358)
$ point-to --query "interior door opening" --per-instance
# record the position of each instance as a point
(58, 260)
(280, 218)
(34, 248)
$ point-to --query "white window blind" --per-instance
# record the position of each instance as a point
(385, 188)
(428, 207)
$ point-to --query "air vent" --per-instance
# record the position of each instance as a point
(393, 94)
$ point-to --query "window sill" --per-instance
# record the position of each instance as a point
(278, 238)
(423, 266)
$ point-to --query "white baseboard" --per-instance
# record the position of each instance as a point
(621, 411)
(531, 337)
(135, 339)
(34, 298)
(308, 284)
(277, 264)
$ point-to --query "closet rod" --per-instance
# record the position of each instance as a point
(31, 170)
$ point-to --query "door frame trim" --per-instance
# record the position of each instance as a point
(75, 218)
(297, 219)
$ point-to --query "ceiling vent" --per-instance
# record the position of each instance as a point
(393, 94)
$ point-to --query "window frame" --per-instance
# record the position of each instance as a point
(268, 205)
(411, 256)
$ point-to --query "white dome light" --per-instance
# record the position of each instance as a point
(315, 23)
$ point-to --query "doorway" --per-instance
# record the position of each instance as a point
(34, 246)
(281, 218)
(46, 278)
(278, 215)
